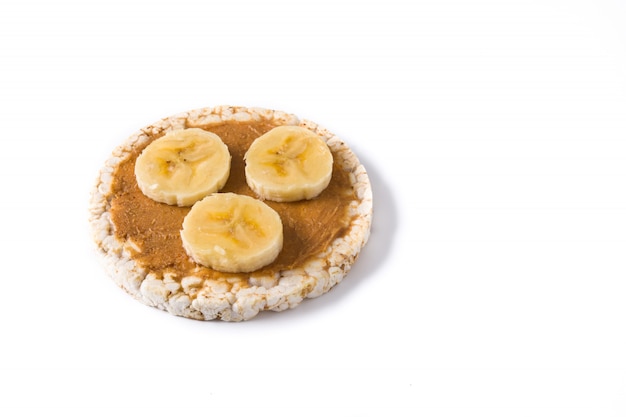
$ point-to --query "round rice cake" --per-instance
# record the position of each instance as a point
(139, 239)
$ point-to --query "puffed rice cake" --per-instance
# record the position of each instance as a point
(228, 298)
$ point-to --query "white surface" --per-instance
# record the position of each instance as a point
(494, 134)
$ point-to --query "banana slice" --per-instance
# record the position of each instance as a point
(288, 163)
(183, 166)
(232, 233)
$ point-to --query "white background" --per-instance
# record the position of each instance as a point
(494, 133)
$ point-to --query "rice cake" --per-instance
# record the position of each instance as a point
(139, 239)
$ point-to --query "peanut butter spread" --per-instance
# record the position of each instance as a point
(154, 228)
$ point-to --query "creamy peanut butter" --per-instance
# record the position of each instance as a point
(308, 226)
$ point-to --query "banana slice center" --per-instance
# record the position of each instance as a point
(236, 226)
(288, 157)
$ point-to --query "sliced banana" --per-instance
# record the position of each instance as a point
(288, 163)
(232, 233)
(183, 166)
